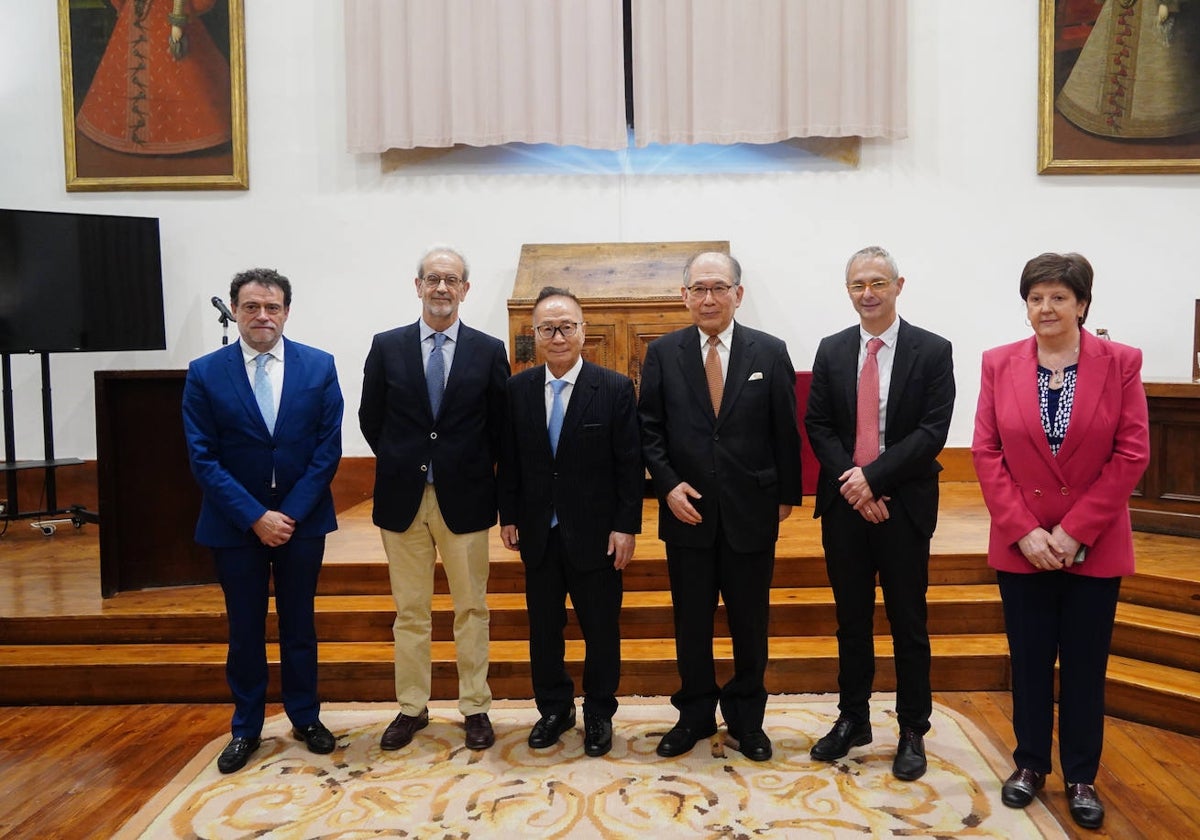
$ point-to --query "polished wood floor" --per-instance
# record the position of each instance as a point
(81, 771)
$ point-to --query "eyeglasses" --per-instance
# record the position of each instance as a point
(718, 290)
(876, 286)
(546, 331)
(432, 281)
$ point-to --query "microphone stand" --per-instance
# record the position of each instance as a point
(224, 329)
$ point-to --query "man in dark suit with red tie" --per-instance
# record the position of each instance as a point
(432, 411)
(263, 423)
(878, 415)
(571, 482)
(719, 436)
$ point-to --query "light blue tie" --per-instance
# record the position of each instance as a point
(263, 393)
(435, 381)
(556, 413)
(555, 425)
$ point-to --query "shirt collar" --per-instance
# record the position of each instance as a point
(889, 335)
(249, 354)
(725, 336)
(451, 332)
(570, 376)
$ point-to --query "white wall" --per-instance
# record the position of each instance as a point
(959, 204)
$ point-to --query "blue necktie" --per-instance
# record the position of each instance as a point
(263, 394)
(435, 381)
(555, 426)
(556, 413)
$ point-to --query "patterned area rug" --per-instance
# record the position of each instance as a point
(436, 788)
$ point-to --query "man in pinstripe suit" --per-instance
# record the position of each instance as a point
(570, 492)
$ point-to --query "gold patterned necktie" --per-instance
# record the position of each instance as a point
(712, 372)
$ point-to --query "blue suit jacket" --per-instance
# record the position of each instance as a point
(233, 456)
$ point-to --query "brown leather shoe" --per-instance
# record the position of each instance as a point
(479, 732)
(400, 731)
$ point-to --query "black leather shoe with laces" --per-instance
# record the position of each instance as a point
(597, 735)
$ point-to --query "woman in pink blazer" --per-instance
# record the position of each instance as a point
(1061, 440)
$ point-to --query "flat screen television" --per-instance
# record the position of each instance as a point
(74, 282)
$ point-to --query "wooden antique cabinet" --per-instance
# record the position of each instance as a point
(1167, 500)
(629, 291)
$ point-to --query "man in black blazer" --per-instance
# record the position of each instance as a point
(571, 482)
(878, 506)
(719, 435)
(432, 411)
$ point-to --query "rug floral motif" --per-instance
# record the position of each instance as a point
(436, 788)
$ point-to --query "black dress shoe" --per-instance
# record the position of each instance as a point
(846, 733)
(480, 734)
(682, 738)
(316, 737)
(755, 745)
(597, 735)
(909, 764)
(400, 731)
(1021, 787)
(236, 754)
(546, 731)
(1086, 808)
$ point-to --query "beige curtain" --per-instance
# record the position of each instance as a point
(436, 73)
(762, 71)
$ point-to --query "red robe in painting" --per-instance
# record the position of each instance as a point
(143, 100)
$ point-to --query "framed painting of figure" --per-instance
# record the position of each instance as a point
(154, 94)
(1119, 86)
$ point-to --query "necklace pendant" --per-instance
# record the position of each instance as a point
(1056, 379)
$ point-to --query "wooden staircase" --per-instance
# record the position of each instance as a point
(169, 645)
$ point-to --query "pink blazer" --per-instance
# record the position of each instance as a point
(1087, 486)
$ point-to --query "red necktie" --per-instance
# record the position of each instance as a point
(712, 372)
(866, 433)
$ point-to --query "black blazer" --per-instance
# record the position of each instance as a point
(594, 483)
(920, 404)
(464, 440)
(746, 462)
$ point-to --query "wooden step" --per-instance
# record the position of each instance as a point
(134, 673)
(1156, 635)
(1164, 591)
(368, 618)
(1155, 694)
(647, 571)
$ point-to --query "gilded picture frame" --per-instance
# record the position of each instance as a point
(154, 94)
(1119, 86)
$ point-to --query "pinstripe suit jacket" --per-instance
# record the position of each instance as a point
(594, 483)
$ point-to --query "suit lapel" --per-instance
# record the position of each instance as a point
(846, 359)
(293, 381)
(1090, 376)
(692, 369)
(903, 361)
(741, 359)
(239, 382)
(581, 397)
(410, 351)
(1022, 381)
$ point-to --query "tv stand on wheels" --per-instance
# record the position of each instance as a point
(52, 516)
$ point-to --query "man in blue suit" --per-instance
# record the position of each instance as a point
(263, 420)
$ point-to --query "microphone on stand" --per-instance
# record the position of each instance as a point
(224, 318)
(226, 315)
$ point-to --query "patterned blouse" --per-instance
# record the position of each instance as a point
(1055, 404)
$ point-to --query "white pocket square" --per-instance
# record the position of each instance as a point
(756, 375)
